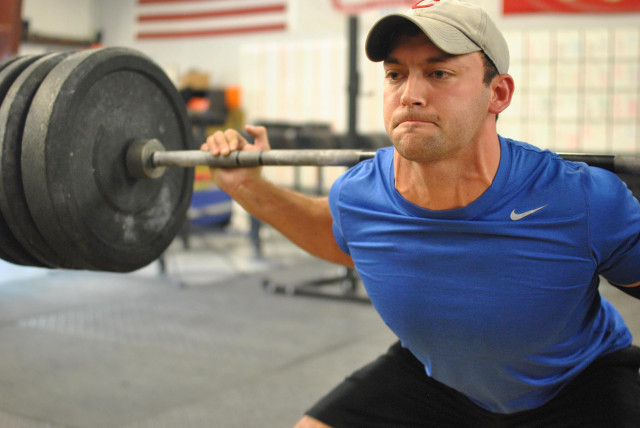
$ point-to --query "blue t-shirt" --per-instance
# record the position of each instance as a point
(499, 299)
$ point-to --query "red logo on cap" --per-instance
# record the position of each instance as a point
(424, 3)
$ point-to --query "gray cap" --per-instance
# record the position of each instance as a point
(456, 27)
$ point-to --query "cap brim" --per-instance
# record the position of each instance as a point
(446, 37)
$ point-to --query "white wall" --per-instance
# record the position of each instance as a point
(62, 18)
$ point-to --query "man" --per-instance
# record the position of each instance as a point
(482, 254)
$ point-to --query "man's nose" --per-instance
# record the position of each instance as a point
(415, 92)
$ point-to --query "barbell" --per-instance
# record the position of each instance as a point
(96, 157)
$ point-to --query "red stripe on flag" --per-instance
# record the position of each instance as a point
(171, 1)
(212, 32)
(577, 6)
(211, 14)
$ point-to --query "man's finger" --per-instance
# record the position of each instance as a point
(211, 146)
(259, 134)
(234, 139)
(221, 142)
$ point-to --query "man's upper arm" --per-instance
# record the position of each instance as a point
(614, 217)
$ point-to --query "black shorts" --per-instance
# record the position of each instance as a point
(394, 391)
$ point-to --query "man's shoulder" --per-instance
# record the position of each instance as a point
(523, 151)
(368, 168)
(529, 160)
(550, 170)
(365, 177)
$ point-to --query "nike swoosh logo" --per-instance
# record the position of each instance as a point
(515, 216)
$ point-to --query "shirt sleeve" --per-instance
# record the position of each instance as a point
(614, 227)
(334, 206)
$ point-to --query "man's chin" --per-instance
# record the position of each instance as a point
(422, 149)
(414, 139)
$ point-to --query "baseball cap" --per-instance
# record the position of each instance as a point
(454, 26)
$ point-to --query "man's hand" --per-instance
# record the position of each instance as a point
(221, 143)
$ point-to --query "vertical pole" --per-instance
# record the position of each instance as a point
(354, 88)
(354, 83)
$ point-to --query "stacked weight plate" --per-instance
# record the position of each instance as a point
(66, 121)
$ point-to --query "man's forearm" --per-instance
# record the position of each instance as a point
(633, 290)
(304, 220)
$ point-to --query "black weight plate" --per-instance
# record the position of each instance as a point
(8, 61)
(85, 114)
(633, 183)
(10, 248)
(13, 203)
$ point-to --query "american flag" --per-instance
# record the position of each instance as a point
(172, 19)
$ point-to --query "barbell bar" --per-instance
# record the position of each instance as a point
(97, 157)
(148, 159)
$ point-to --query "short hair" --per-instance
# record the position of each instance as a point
(490, 70)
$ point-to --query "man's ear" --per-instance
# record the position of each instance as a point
(502, 88)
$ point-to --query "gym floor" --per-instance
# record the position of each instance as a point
(201, 345)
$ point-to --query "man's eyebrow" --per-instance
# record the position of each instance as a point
(442, 58)
(433, 60)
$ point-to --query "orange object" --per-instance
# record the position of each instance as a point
(232, 97)
(198, 104)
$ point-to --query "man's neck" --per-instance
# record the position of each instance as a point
(449, 183)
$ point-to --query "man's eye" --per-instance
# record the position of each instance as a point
(439, 74)
(392, 75)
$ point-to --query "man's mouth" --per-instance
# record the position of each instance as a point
(413, 119)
